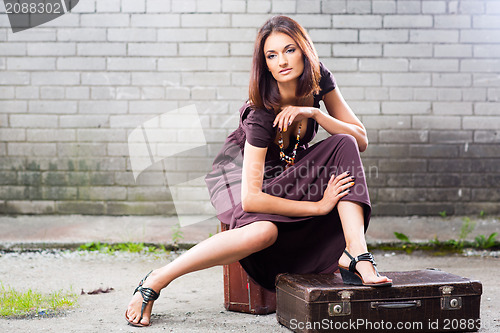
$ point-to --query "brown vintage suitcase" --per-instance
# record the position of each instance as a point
(242, 294)
(419, 301)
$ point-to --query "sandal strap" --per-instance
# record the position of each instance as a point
(362, 257)
(147, 294)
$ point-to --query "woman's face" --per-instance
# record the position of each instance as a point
(283, 57)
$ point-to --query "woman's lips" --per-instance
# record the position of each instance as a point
(285, 71)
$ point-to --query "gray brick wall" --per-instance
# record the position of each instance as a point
(424, 77)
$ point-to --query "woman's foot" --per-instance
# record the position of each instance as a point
(136, 315)
(365, 268)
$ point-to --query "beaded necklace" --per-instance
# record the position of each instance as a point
(290, 160)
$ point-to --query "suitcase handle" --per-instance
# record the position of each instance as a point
(396, 305)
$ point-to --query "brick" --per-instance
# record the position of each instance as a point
(200, 93)
(486, 136)
(479, 65)
(433, 7)
(408, 7)
(451, 80)
(147, 193)
(259, 6)
(157, 6)
(51, 49)
(81, 63)
(248, 20)
(152, 49)
(62, 78)
(156, 79)
(450, 165)
(434, 36)
(386, 150)
(52, 92)
(384, 6)
(406, 79)
(15, 78)
(31, 63)
(12, 134)
(406, 107)
(434, 65)
(52, 107)
(334, 7)
(444, 136)
(482, 151)
(106, 193)
(313, 21)
(359, 7)
(329, 35)
(33, 121)
(106, 78)
(31, 178)
(486, 80)
(108, 6)
(408, 21)
(131, 34)
(434, 150)
(42, 135)
(105, 20)
(357, 21)
(231, 35)
(13, 49)
(29, 207)
(479, 36)
(205, 79)
(131, 64)
(13, 107)
(341, 64)
(204, 49)
(387, 122)
(452, 108)
(232, 63)
(182, 35)
(493, 7)
(183, 6)
(403, 165)
(357, 50)
(102, 49)
(103, 93)
(486, 51)
(81, 34)
(239, 6)
(401, 94)
(481, 122)
(358, 79)
(425, 94)
(102, 106)
(385, 65)
(155, 107)
(493, 95)
(101, 135)
(487, 109)
(471, 7)
(409, 136)
(205, 20)
(436, 122)
(450, 94)
(128, 93)
(453, 51)
(80, 207)
(154, 92)
(32, 149)
(452, 21)
(474, 94)
(34, 35)
(133, 6)
(408, 50)
(156, 20)
(393, 35)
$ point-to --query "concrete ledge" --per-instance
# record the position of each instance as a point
(28, 231)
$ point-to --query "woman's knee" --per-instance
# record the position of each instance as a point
(263, 235)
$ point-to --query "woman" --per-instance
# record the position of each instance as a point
(289, 207)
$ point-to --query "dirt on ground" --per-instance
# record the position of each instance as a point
(192, 303)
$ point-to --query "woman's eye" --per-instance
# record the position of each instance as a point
(271, 56)
(290, 50)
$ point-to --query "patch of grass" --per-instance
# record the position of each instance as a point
(122, 247)
(16, 304)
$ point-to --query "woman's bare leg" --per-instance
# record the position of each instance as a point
(352, 218)
(222, 248)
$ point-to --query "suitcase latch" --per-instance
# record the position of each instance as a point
(342, 308)
(449, 302)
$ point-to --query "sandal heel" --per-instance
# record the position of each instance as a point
(350, 278)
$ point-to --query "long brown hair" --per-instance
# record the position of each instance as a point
(263, 88)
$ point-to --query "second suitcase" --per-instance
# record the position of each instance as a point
(419, 301)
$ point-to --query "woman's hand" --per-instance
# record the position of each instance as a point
(337, 188)
(291, 113)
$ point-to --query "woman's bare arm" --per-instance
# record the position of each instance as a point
(254, 200)
(340, 118)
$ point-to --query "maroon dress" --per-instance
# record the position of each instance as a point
(311, 244)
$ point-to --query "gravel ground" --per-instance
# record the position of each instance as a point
(193, 303)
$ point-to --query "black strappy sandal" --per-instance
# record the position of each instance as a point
(148, 295)
(352, 276)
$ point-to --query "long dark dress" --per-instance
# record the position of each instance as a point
(311, 244)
